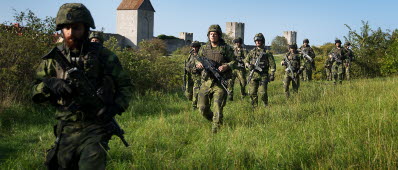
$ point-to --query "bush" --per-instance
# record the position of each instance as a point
(279, 45)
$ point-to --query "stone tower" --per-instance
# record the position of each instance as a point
(135, 21)
(187, 37)
(235, 30)
(291, 37)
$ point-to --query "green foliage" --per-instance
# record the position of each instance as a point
(322, 127)
(370, 47)
(166, 37)
(321, 56)
(279, 45)
(228, 39)
(182, 51)
(21, 50)
(390, 62)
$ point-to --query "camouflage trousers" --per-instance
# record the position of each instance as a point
(210, 92)
(306, 75)
(241, 75)
(195, 91)
(337, 70)
(189, 87)
(295, 84)
(328, 73)
(258, 88)
(82, 145)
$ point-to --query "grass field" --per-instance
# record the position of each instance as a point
(354, 125)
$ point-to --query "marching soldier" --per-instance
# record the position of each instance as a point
(348, 60)
(294, 67)
(193, 74)
(338, 55)
(309, 63)
(239, 71)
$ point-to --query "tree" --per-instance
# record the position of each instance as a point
(279, 45)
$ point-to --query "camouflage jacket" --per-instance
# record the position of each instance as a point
(240, 54)
(190, 64)
(340, 53)
(295, 60)
(267, 61)
(223, 54)
(99, 65)
(350, 55)
(308, 50)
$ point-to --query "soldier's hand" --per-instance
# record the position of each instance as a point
(282, 63)
(107, 113)
(58, 87)
(199, 66)
(223, 68)
(251, 67)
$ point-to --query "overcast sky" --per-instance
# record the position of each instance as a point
(319, 20)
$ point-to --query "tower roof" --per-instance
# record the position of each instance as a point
(136, 5)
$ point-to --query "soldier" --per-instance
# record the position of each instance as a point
(239, 71)
(211, 90)
(350, 58)
(96, 36)
(193, 74)
(294, 67)
(309, 64)
(338, 55)
(328, 67)
(259, 75)
(88, 86)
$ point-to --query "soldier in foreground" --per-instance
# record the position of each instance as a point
(87, 85)
(192, 85)
(309, 60)
(348, 60)
(219, 56)
(294, 67)
(338, 55)
(259, 62)
(96, 36)
(239, 70)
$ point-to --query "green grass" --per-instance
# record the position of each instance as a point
(353, 125)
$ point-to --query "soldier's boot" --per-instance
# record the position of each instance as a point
(231, 97)
(254, 101)
(287, 94)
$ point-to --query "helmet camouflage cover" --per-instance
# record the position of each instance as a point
(214, 28)
(196, 44)
(306, 41)
(96, 34)
(259, 37)
(238, 40)
(347, 43)
(70, 13)
(337, 41)
(293, 46)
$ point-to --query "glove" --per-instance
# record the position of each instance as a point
(271, 77)
(58, 87)
(107, 113)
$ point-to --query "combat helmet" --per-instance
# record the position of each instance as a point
(293, 46)
(306, 41)
(259, 37)
(347, 43)
(96, 34)
(238, 40)
(74, 13)
(337, 41)
(196, 44)
(214, 28)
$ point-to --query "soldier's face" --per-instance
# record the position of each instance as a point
(238, 45)
(195, 49)
(259, 43)
(95, 40)
(305, 44)
(214, 37)
(291, 50)
(74, 34)
(338, 44)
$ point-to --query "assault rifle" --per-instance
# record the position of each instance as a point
(289, 69)
(82, 85)
(212, 67)
(256, 67)
(306, 56)
(335, 58)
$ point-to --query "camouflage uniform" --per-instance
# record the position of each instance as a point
(259, 81)
(210, 89)
(328, 68)
(82, 136)
(349, 59)
(239, 72)
(338, 66)
(309, 66)
(193, 82)
(297, 67)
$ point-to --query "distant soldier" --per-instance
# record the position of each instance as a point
(221, 54)
(338, 55)
(88, 87)
(96, 36)
(328, 67)
(239, 71)
(294, 67)
(193, 75)
(309, 63)
(348, 60)
(259, 62)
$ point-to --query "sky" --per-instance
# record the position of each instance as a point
(318, 20)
